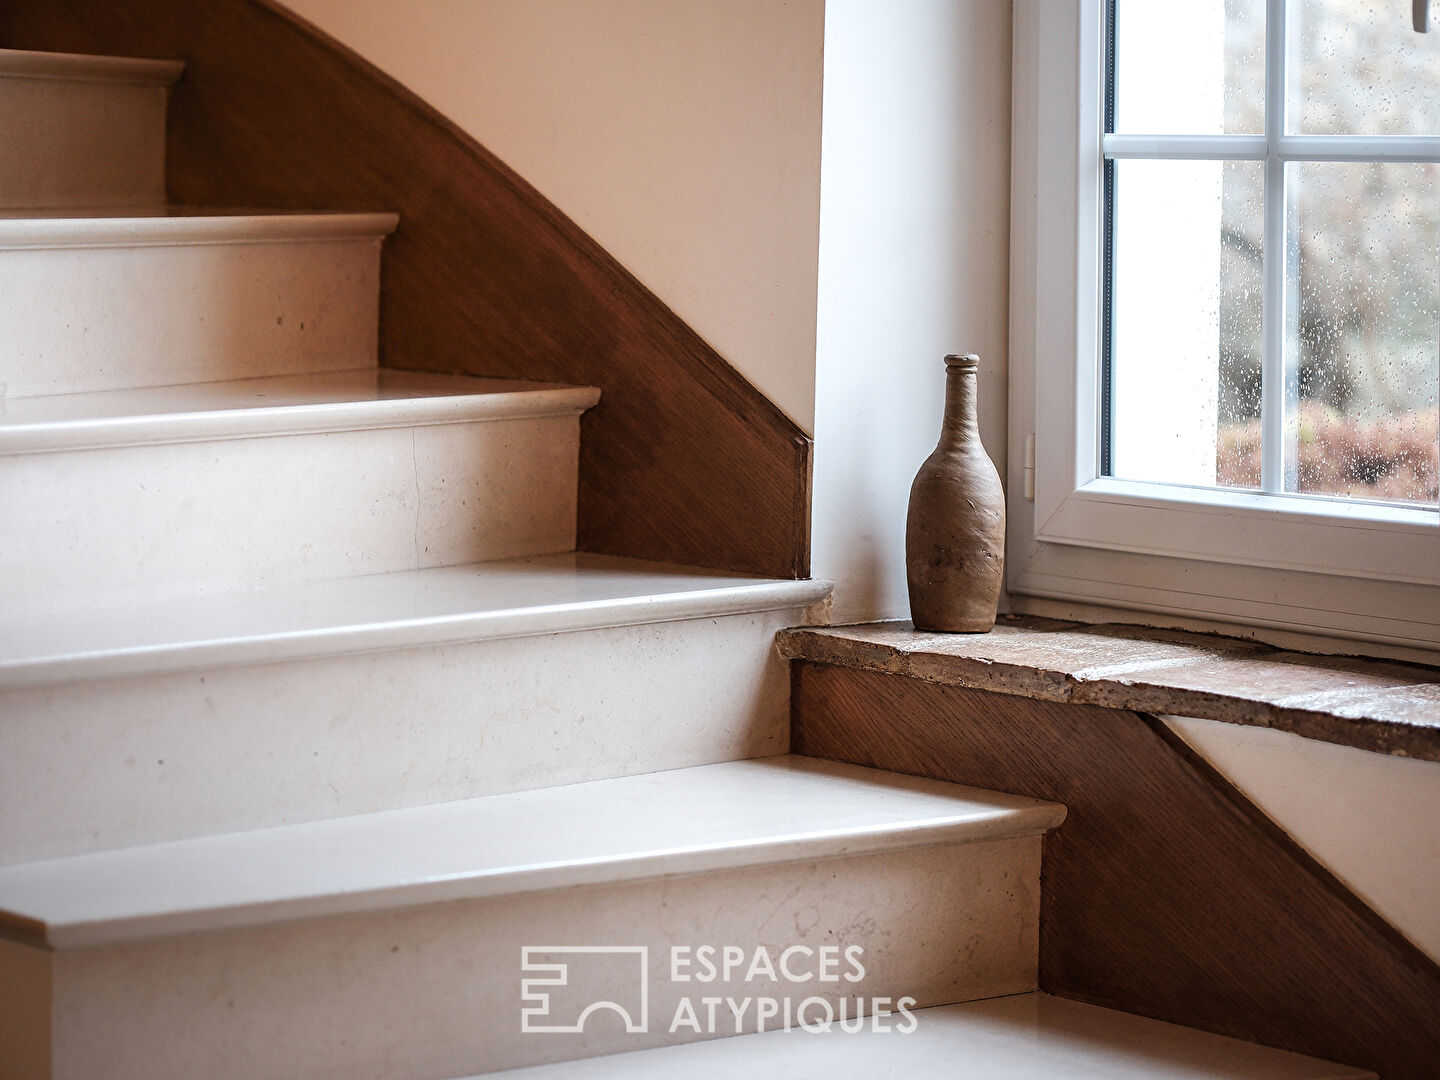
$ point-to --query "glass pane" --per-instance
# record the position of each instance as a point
(1185, 329)
(1193, 68)
(1359, 68)
(1368, 423)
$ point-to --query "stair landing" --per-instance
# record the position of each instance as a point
(1023, 1037)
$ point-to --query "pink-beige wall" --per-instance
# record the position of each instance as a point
(683, 135)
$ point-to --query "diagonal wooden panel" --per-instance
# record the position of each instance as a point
(682, 461)
(1166, 893)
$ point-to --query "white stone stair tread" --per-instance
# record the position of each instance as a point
(509, 598)
(1024, 1037)
(711, 817)
(274, 405)
(81, 67)
(174, 224)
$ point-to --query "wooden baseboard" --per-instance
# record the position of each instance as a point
(1166, 892)
(682, 461)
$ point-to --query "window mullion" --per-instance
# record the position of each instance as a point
(1277, 457)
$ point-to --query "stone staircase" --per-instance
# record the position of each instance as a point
(323, 754)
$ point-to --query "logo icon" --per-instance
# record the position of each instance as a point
(596, 969)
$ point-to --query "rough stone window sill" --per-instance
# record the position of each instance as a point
(1384, 706)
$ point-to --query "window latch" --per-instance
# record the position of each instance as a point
(1030, 467)
(1422, 16)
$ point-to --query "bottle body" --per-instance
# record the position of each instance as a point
(955, 529)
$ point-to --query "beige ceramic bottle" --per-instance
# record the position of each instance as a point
(955, 531)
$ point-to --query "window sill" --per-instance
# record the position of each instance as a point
(1381, 706)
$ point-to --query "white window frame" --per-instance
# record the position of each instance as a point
(1296, 562)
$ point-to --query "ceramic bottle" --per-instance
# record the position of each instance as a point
(955, 530)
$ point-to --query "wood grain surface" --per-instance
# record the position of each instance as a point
(1165, 893)
(682, 461)
(1377, 705)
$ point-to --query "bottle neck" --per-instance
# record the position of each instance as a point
(960, 425)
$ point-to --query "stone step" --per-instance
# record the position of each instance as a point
(419, 943)
(82, 131)
(149, 722)
(138, 495)
(112, 300)
(1021, 1037)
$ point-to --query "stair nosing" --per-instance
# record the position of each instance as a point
(330, 886)
(83, 67)
(40, 233)
(519, 402)
(737, 596)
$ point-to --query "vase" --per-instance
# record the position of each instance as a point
(955, 530)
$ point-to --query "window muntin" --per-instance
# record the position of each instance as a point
(1292, 348)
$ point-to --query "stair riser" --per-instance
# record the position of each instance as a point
(145, 522)
(434, 991)
(111, 317)
(108, 764)
(81, 144)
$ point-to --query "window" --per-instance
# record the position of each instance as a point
(1225, 328)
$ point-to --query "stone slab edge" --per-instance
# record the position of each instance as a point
(1380, 706)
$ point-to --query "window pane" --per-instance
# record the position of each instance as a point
(1368, 330)
(1185, 329)
(1359, 68)
(1193, 68)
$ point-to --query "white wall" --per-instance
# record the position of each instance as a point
(1369, 817)
(914, 258)
(683, 135)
